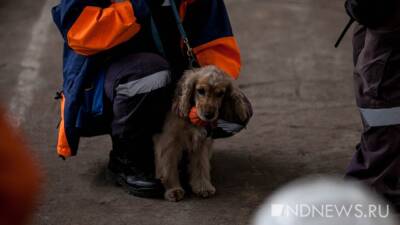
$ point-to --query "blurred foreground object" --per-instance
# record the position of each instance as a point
(19, 177)
(324, 201)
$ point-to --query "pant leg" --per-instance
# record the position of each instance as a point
(377, 159)
(377, 82)
(138, 87)
(358, 41)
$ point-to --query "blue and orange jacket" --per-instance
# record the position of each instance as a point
(94, 30)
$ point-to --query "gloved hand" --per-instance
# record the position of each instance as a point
(370, 13)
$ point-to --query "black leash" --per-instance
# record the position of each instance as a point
(189, 51)
(157, 39)
(346, 28)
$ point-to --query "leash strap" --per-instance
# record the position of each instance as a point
(157, 39)
(189, 51)
(156, 36)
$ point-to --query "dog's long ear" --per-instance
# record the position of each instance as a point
(235, 106)
(183, 101)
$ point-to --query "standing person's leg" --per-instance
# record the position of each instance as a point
(377, 82)
(138, 86)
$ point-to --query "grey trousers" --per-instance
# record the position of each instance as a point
(377, 90)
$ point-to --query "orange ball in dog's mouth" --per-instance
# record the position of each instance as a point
(195, 119)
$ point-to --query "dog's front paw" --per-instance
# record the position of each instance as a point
(174, 194)
(203, 189)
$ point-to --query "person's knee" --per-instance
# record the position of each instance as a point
(137, 74)
(144, 85)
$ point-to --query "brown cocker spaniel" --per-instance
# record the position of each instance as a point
(214, 96)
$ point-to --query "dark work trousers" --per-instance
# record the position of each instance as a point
(377, 90)
(138, 87)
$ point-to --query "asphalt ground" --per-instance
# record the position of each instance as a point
(305, 121)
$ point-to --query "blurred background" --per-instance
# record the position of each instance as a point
(305, 120)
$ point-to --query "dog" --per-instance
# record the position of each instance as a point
(212, 93)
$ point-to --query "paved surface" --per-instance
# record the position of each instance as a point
(305, 120)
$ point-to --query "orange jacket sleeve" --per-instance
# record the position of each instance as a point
(210, 33)
(223, 53)
(98, 29)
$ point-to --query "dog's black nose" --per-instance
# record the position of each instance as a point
(209, 115)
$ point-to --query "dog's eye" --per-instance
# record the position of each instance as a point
(201, 91)
(220, 94)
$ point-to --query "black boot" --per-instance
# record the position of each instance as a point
(134, 171)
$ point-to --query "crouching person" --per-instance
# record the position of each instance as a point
(122, 60)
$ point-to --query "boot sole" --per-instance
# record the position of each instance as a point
(138, 192)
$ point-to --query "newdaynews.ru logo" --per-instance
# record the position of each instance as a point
(330, 210)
